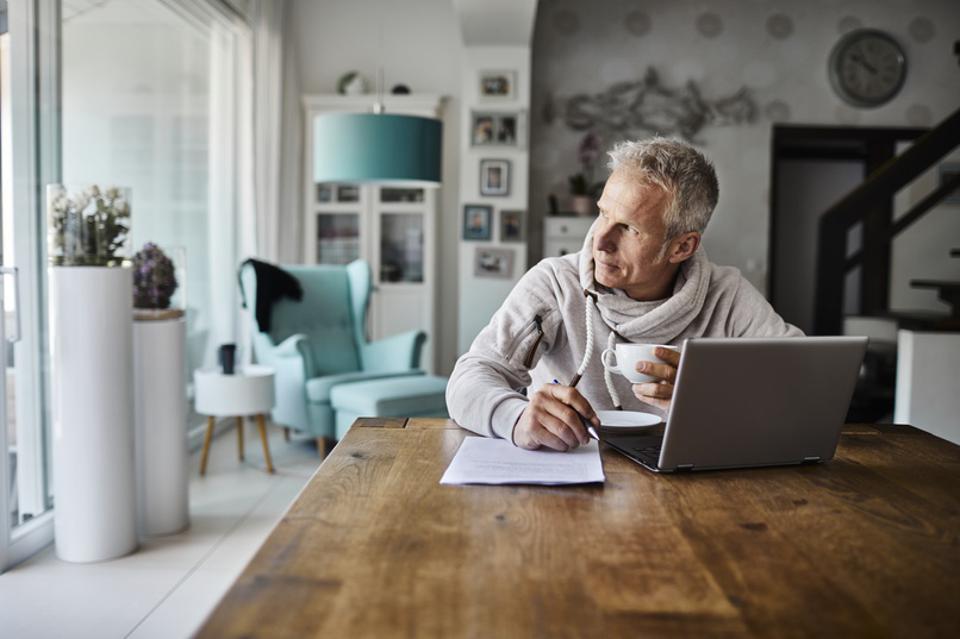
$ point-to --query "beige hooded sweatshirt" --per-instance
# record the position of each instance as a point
(549, 328)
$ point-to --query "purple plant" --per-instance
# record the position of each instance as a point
(154, 278)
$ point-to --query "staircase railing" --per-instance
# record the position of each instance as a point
(876, 191)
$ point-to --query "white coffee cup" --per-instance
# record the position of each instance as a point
(624, 360)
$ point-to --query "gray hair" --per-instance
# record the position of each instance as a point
(682, 171)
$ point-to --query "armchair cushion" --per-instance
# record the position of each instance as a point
(396, 396)
(319, 388)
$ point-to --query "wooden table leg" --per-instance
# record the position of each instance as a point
(240, 436)
(324, 446)
(263, 439)
(206, 445)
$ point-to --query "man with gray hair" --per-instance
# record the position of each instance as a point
(641, 277)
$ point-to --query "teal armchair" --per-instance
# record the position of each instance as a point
(319, 341)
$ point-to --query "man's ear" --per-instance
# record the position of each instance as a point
(683, 247)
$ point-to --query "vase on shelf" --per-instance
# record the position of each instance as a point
(582, 205)
(91, 290)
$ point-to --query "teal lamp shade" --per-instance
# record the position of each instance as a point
(376, 147)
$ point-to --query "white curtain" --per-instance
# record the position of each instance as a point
(291, 220)
(277, 133)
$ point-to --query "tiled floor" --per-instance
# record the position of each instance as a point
(171, 584)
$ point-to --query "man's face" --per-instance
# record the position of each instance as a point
(629, 237)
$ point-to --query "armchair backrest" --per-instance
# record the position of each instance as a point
(331, 314)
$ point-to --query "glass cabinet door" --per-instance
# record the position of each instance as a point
(338, 237)
(401, 247)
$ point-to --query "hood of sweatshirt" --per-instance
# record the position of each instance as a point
(658, 322)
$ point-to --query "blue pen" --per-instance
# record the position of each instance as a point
(590, 429)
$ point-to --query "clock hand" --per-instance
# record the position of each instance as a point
(866, 65)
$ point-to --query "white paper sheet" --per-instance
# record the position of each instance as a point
(481, 460)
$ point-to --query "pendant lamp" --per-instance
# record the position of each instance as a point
(376, 147)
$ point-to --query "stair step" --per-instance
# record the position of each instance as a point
(941, 284)
(947, 291)
(922, 320)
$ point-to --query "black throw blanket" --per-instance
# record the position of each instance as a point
(273, 283)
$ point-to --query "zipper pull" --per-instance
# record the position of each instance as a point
(528, 360)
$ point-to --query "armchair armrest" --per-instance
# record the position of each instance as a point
(297, 346)
(395, 353)
(293, 364)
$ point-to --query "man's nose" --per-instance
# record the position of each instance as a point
(604, 238)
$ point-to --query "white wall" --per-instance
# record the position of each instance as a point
(417, 43)
(480, 297)
(584, 47)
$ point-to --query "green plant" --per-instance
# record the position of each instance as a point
(588, 153)
(89, 228)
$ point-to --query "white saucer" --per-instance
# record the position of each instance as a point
(627, 418)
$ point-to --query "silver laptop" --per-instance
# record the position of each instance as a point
(747, 402)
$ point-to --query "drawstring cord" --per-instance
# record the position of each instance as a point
(608, 377)
(591, 305)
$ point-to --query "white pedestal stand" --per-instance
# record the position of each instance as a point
(92, 412)
(160, 405)
(928, 370)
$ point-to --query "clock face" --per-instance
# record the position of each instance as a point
(867, 68)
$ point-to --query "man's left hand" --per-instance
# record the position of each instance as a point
(665, 371)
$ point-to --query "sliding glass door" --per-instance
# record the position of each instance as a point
(153, 95)
(149, 101)
(29, 150)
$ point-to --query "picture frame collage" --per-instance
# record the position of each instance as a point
(495, 128)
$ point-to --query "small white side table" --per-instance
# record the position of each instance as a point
(249, 391)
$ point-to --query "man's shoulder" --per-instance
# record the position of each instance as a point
(724, 279)
(550, 280)
(562, 270)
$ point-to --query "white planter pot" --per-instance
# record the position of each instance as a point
(92, 412)
(160, 442)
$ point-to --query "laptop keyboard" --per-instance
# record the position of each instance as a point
(646, 448)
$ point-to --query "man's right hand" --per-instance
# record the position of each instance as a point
(551, 419)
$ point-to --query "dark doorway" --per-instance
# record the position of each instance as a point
(812, 168)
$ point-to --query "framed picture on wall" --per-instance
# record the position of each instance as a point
(493, 262)
(495, 129)
(494, 177)
(498, 85)
(512, 226)
(477, 221)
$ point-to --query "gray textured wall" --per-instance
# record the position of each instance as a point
(777, 48)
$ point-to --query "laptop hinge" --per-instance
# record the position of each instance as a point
(683, 467)
(812, 459)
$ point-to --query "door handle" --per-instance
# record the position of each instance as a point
(15, 272)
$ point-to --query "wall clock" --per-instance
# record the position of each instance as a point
(867, 67)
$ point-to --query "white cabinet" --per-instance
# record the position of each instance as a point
(391, 227)
(564, 234)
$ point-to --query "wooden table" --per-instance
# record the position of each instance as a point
(865, 545)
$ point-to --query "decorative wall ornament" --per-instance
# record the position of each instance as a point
(647, 106)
